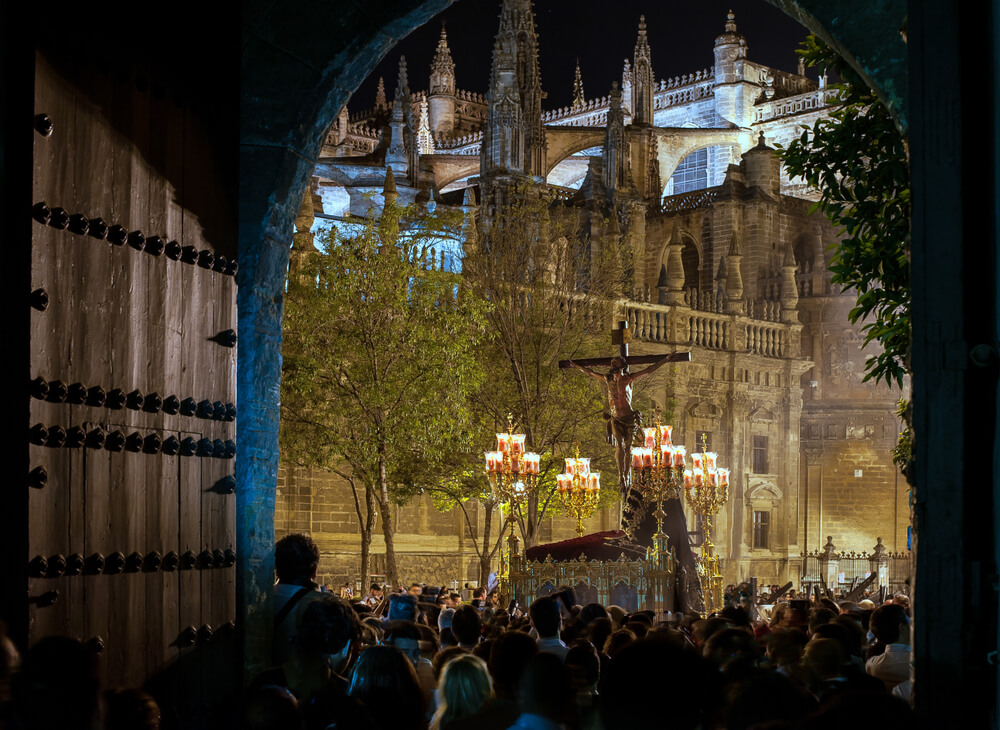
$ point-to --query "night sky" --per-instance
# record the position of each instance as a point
(601, 34)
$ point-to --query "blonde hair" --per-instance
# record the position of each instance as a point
(465, 685)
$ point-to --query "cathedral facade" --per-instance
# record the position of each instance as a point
(729, 264)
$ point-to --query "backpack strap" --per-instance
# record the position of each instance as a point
(281, 615)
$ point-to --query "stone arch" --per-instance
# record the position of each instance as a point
(565, 142)
(690, 258)
(296, 76)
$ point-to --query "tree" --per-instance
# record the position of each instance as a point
(552, 296)
(857, 160)
(378, 363)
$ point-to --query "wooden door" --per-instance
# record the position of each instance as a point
(131, 513)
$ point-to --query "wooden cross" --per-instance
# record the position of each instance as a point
(621, 336)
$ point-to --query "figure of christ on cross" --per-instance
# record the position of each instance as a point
(623, 421)
(623, 424)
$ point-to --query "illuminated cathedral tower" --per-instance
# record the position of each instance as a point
(513, 136)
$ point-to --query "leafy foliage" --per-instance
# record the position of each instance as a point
(857, 160)
(551, 298)
(379, 357)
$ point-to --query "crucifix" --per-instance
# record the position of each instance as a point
(623, 421)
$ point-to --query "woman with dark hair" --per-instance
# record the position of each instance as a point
(321, 650)
(385, 682)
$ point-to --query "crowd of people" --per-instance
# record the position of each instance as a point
(423, 658)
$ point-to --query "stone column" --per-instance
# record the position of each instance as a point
(829, 564)
(675, 273)
(879, 564)
(789, 289)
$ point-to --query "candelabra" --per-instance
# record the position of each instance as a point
(513, 475)
(707, 488)
(579, 488)
(657, 471)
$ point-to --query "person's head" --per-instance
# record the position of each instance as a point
(130, 709)
(405, 636)
(443, 657)
(617, 641)
(415, 590)
(819, 616)
(598, 632)
(62, 668)
(466, 625)
(584, 665)
(328, 633)
(648, 676)
(375, 589)
(545, 688)
(890, 625)
(509, 654)
(825, 657)
(386, 683)
(545, 617)
(785, 646)
(733, 651)
(592, 612)
(296, 559)
(402, 607)
(462, 689)
(479, 593)
(271, 708)
(618, 366)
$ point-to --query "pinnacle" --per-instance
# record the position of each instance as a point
(734, 246)
(402, 83)
(730, 22)
(789, 257)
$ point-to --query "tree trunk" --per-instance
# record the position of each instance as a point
(366, 525)
(367, 530)
(484, 554)
(388, 530)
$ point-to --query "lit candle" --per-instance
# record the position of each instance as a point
(666, 454)
(570, 467)
(710, 457)
(687, 478)
(502, 442)
(647, 457)
(665, 432)
(696, 462)
(597, 479)
(698, 479)
(584, 466)
(679, 452)
(517, 443)
(650, 434)
(636, 458)
(723, 477)
(712, 478)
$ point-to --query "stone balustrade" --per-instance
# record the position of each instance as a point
(683, 325)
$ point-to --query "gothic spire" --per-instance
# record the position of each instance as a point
(389, 186)
(578, 99)
(643, 80)
(442, 68)
(380, 102)
(514, 137)
(425, 140)
(627, 87)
